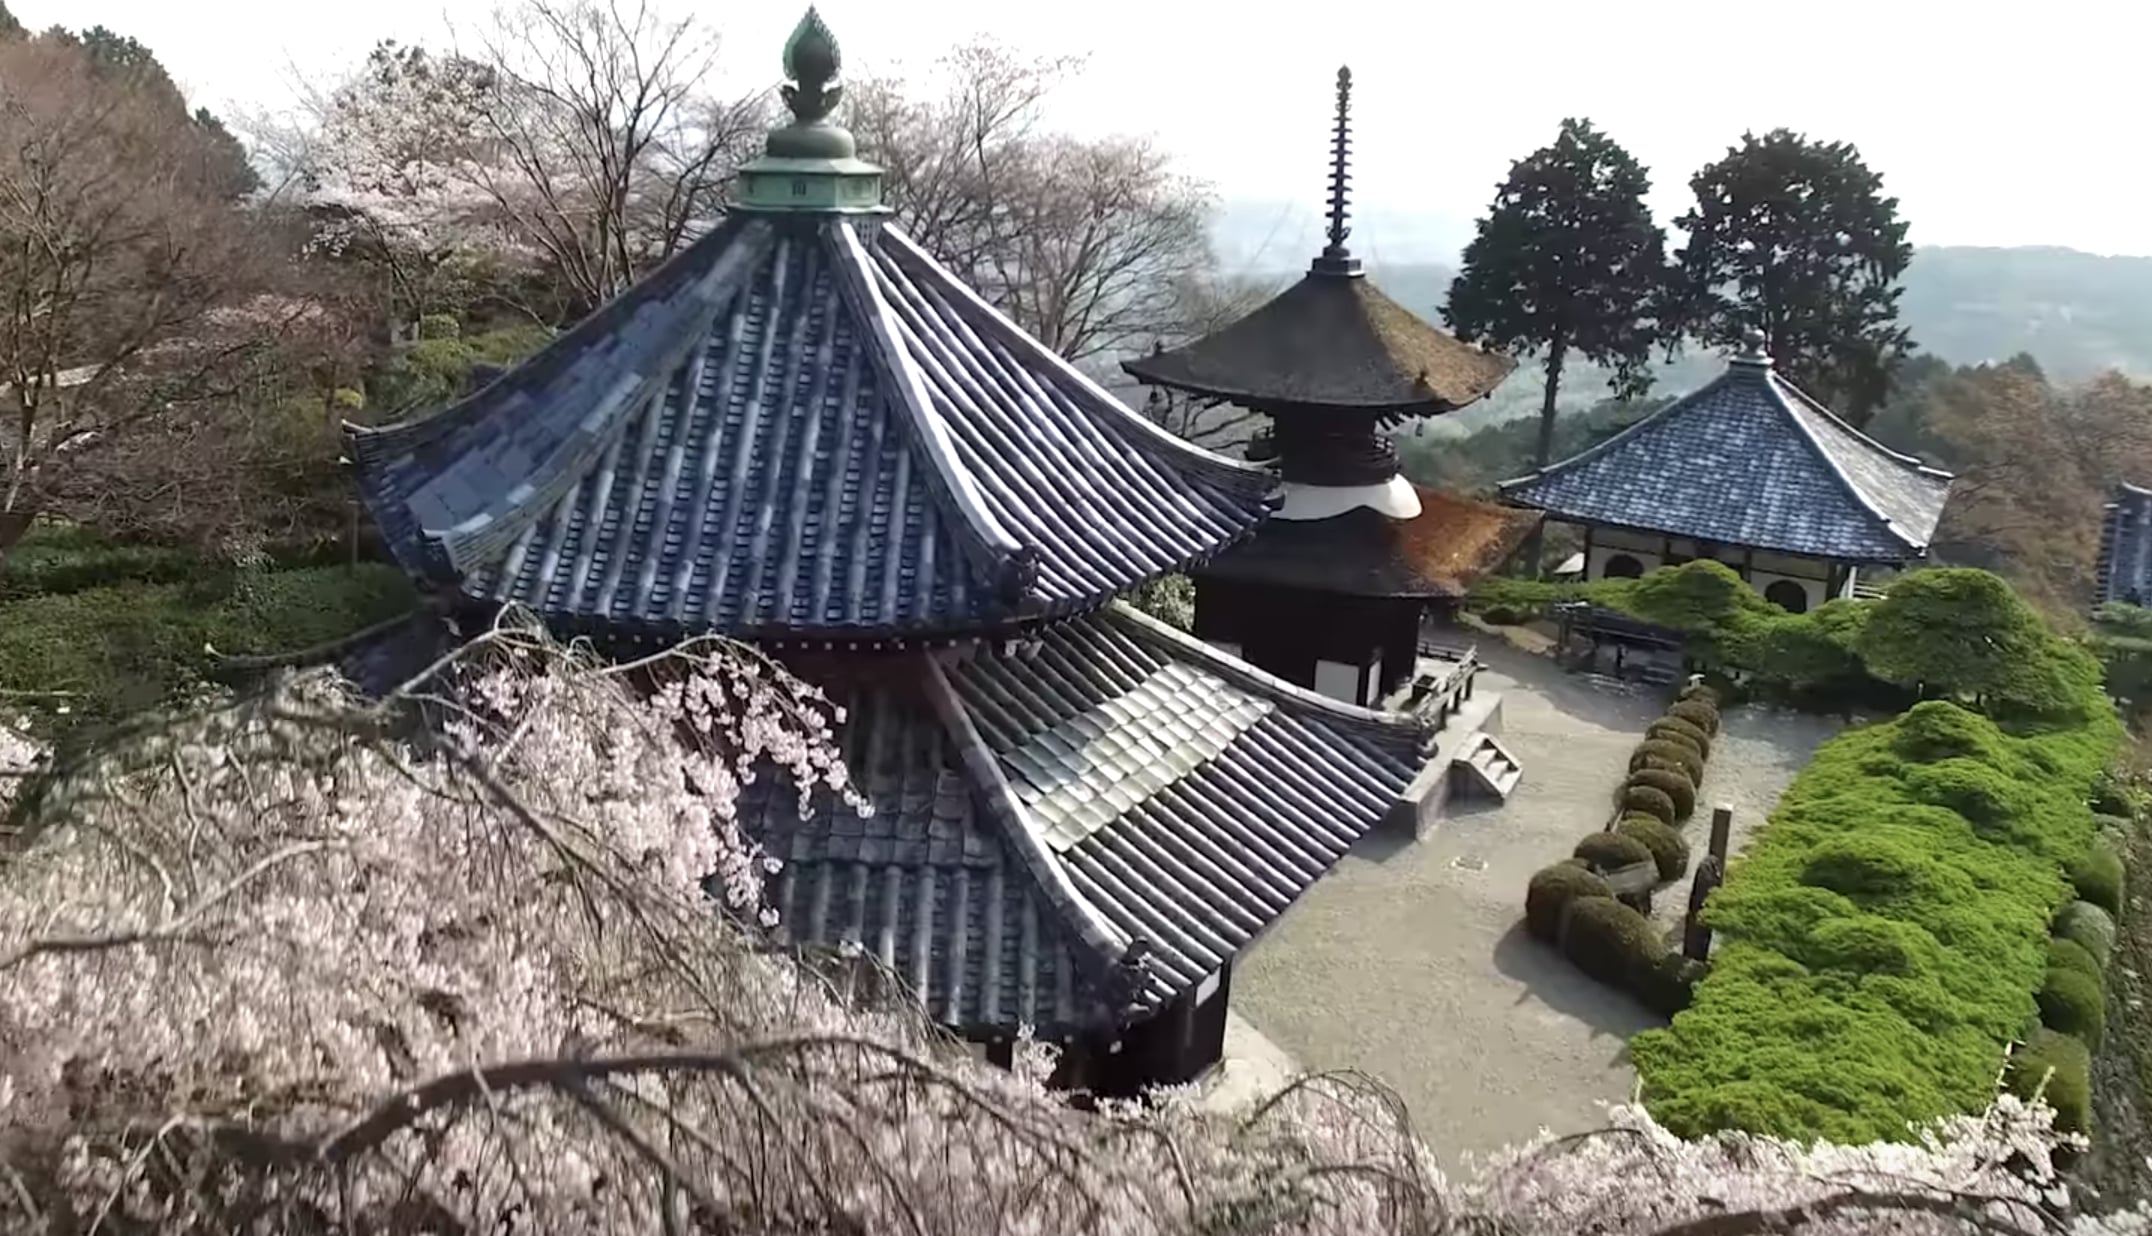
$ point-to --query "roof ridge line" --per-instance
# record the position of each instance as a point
(1122, 418)
(1913, 462)
(1599, 448)
(1778, 387)
(631, 397)
(369, 441)
(1249, 677)
(1101, 952)
(1011, 565)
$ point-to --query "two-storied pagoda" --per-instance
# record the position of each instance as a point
(1331, 593)
(1751, 471)
(805, 431)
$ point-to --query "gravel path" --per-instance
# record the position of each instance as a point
(1410, 960)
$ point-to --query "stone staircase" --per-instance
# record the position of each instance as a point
(1489, 766)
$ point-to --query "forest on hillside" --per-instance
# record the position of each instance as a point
(2078, 314)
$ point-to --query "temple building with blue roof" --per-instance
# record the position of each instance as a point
(806, 432)
(1751, 471)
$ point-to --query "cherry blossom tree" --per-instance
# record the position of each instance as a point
(487, 955)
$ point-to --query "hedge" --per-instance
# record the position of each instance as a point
(1667, 847)
(1671, 728)
(1876, 948)
(1553, 888)
(2070, 955)
(2072, 1003)
(2097, 877)
(1696, 712)
(1620, 947)
(1675, 754)
(1610, 852)
(114, 649)
(2061, 1064)
(1673, 783)
(2090, 927)
(1644, 800)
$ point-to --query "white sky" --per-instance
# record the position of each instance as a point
(2020, 124)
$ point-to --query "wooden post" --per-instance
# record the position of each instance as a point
(1695, 937)
(1722, 825)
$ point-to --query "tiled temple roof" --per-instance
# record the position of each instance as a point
(2125, 564)
(1039, 814)
(798, 427)
(1330, 341)
(1749, 459)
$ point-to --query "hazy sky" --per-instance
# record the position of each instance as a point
(2024, 127)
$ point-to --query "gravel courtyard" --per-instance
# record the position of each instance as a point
(1410, 960)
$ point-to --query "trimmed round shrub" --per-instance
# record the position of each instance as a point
(2089, 926)
(1608, 852)
(2064, 1066)
(1675, 729)
(2073, 1003)
(2097, 877)
(2070, 955)
(1667, 848)
(1645, 800)
(1697, 712)
(1674, 785)
(1698, 691)
(1553, 888)
(1674, 754)
(1612, 943)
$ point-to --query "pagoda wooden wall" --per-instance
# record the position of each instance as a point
(1291, 632)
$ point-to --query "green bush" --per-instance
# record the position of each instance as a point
(1672, 783)
(2070, 955)
(1674, 729)
(1645, 800)
(1697, 713)
(2059, 1069)
(2090, 927)
(1668, 754)
(1553, 888)
(1503, 616)
(1876, 949)
(1610, 852)
(1964, 633)
(2072, 1002)
(1698, 691)
(1667, 847)
(2097, 877)
(1619, 946)
(57, 560)
(102, 652)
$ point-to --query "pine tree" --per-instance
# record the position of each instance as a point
(1567, 263)
(1795, 238)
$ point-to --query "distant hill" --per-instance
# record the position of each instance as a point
(2078, 314)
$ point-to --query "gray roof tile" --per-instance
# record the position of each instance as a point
(1751, 460)
(1193, 846)
(842, 441)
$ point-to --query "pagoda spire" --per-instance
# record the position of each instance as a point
(811, 165)
(1335, 259)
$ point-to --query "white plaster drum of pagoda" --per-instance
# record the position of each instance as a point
(1395, 498)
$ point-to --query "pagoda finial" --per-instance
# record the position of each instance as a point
(812, 61)
(1335, 259)
(1755, 349)
(811, 165)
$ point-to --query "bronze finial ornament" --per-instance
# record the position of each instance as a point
(812, 61)
(1336, 259)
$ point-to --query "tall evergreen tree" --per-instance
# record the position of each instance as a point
(1796, 238)
(1567, 263)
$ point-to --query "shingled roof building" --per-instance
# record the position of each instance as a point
(1751, 471)
(1332, 593)
(2125, 565)
(803, 430)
